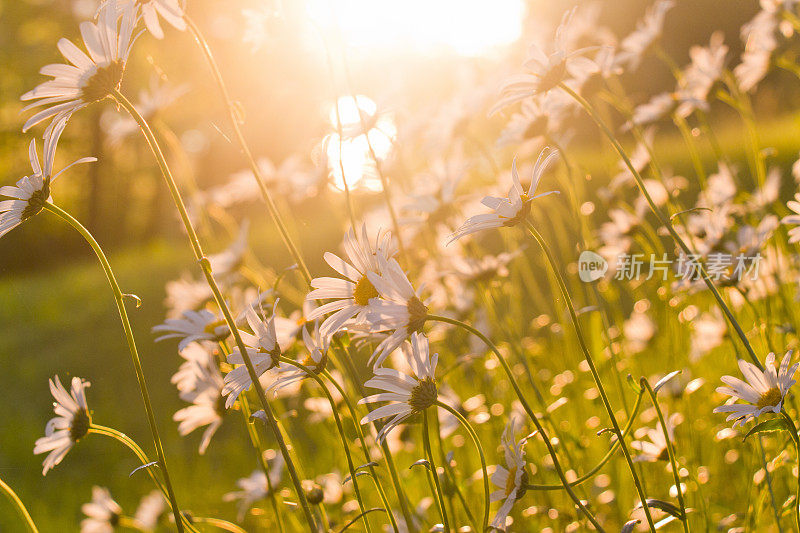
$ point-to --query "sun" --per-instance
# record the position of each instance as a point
(463, 27)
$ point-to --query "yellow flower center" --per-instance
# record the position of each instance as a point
(521, 214)
(80, 425)
(417, 313)
(364, 291)
(212, 326)
(771, 398)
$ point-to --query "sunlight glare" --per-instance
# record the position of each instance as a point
(355, 155)
(466, 27)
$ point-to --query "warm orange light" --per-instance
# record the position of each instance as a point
(466, 27)
(358, 163)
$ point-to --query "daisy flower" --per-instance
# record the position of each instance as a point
(170, 11)
(70, 425)
(351, 296)
(546, 71)
(103, 514)
(408, 395)
(199, 382)
(316, 359)
(262, 348)
(764, 391)
(194, 326)
(512, 210)
(399, 309)
(512, 477)
(794, 205)
(656, 448)
(28, 196)
(648, 30)
(89, 78)
(151, 511)
(255, 487)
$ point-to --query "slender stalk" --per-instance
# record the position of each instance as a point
(236, 120)
(664, 220)
(796, 439)
(426, 442)
(609, 454)
(590, 361)
(670, 450)
(365, 448)
(220, 300)
(525, 405)
(340, 429)
(119, 298)
(139, 453)
(17, 504)
(477, 442)
(218, 523)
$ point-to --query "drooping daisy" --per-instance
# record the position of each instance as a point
(399, 310)
(194, 326)
(656, 448)
(151, 511)
(255, 487)
(351, 295)
(199, 382)
(546, 71)
(512, 210)
(89, 78)
(316, 360)
(760, 38)
(408, 395)
(512, 477)
(262, 348)
(28, 196)
(763, 391)
(70, 425)
(103, 514)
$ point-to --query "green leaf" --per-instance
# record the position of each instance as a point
(773, 424)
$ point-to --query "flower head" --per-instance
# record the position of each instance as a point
(194, 326)
(351, 296)
(648, 30)
(764, 390)
(512, 210)
(398, 310)
(70, 425)
(256, 486)
(151, 511)
(102, 513)
(408, 395)
(512, 477)
(28, 196)
(90, 77)
(316, 360)
(262, 349)
(656, 448)
(170, 10)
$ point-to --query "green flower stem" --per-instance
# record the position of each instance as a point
(664, 220)
(220, 300)
(236, 121)
(346, 363)
(525, 405)
(432, 471)
(342, 435)
(670, 450)
(450, 476)
(256, 441)
(477, 442)
(590, 361)
(796, 439)
(121, 437)
(218, 523)
(119, 298)
(609, 454)
(17, 504)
